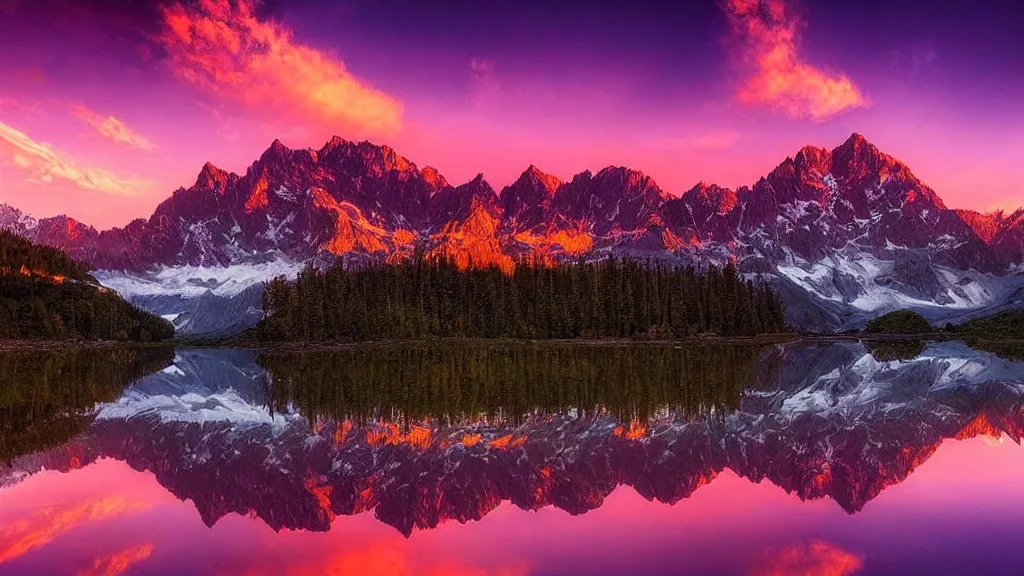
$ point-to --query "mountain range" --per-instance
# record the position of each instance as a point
(844, 234)
(202, 426)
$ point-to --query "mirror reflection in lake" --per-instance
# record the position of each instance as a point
(797, 458)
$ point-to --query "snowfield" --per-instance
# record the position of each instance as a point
(193, 281)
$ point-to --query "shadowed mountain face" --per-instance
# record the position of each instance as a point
(845, 233)
(423, 435)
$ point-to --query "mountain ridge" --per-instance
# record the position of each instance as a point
(853, 227)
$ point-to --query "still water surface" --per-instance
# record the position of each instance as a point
(800, 458)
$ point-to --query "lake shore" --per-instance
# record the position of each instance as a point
(762, 340)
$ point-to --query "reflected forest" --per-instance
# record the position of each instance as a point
(49, 397)
(455, 384)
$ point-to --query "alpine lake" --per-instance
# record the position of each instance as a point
(512, 458)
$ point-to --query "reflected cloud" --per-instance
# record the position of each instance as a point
(815, 557)
(46, 524)
(766, 38)
(117, 563)
(368, 556)
(224, 48)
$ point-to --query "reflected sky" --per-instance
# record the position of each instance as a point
(954, 515)
(125, 499)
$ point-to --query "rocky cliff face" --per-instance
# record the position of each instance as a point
(203, 428)
(846, 233)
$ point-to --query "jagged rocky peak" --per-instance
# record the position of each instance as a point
(364, 157)
(814, 158)
(546, 182)
(277, 156)
(213, 178)
(627, 178)
(720, 200)
(456, 204)
(525, 202)
(434, 178)
(477, 189)
(857, 157)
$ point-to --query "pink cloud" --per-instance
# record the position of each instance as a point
(112, 128)
(765, 34)
(223, 48)
(44, 165)
(815, 557)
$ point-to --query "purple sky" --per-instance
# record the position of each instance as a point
(108, 106)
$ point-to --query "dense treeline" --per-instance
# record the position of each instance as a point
(458, 383)
(49, 397)
(1005, 324)
(899, 322)
(17, 253)
(46, 295)
(434, 298)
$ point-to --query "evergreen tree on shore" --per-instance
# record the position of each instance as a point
(611, 298)
(46, 295)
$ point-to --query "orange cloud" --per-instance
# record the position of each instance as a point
(117, 563)
(113, 129)
(765, 33)
(815, 557)
(46, 165)
(22, 536)
(222, 47)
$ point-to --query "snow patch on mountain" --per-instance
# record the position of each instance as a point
(870, 284)
(223, 406)
(194, 281)
(868, 383)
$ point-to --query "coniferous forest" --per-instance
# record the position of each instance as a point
(611, 298)
(44, 294)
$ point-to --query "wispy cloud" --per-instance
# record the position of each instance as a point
(44, 165)
(765, 35)
(222, 47)
(112, 128)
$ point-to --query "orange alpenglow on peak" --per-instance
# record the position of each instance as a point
(258, 200)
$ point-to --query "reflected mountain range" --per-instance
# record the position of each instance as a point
(423, 435)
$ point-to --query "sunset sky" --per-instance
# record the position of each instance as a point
(107, 106)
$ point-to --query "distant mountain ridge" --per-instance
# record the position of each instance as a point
(846, 232)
